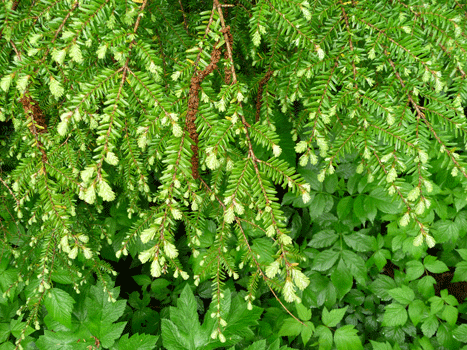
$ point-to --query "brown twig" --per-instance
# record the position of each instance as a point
(260, 93)
(226, 32)
(193, 102)
(185, 24)
(227, 71)
(37, 124)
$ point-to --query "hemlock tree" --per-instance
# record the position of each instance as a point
(197, 112)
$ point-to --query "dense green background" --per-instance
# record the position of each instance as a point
(331, 208)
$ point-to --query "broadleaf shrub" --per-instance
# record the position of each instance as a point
(283, 174)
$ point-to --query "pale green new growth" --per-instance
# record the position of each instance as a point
(104, 92)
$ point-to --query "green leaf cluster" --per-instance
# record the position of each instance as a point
(304, 159)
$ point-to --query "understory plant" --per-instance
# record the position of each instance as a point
(294, 172)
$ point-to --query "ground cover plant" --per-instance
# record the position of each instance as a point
(267, 174)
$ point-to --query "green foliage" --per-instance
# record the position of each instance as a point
(298, 166)
(184, 331)
(93, 320)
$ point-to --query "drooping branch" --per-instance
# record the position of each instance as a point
(37, 123)
(227, 70)
(193, 102)
(185, 24)
(228, 40)
(260, 93)
(36, 119)
(14, 6)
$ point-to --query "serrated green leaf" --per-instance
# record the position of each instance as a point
(461, 221)
(342, 279)
(460, 200)
(436, 304)
(460, 333)
(426, 343)
(346, 338)
(325, 260)
(380, 346)
(360, 242)
(444, 230)
(158, 284)
(303, 312)
(250, 230)
(344, 207)
(444, 335)
(414, 269)
(59, 305)
(441, 209)
(356, 266)
(386, 203)
(257, 345)
(328, 296)
(185, 316)
(433, 265)
(102, 313)
(7, 346)
(403, 295)
(209, 232)
(275, 345)
(380, 258)
(7, 278)
(239, 319)
(4, 332)
(460, 274)
(355, 297)
(263, 248)
(322, 203)
(290, 328)
(416, 311)
(394, 315)
(450, 314)
(311, 177)
(324, 338)
(448, 298)
(323, 239)
(330, 183)
(61, 341)
(172, 338)
(137, 341)
(370, 208)
(462, 253)
(142, 280)
(382, 285)
(333, 317)
(352, 183)
(62, 276)
(358, 208)
(17, 328)
(425, 286)
(137, 303)
(430, 325)
(362, 184)
(296, 225)
(145, 320)
(307, 332)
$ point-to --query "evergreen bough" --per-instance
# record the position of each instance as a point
(197, 112)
